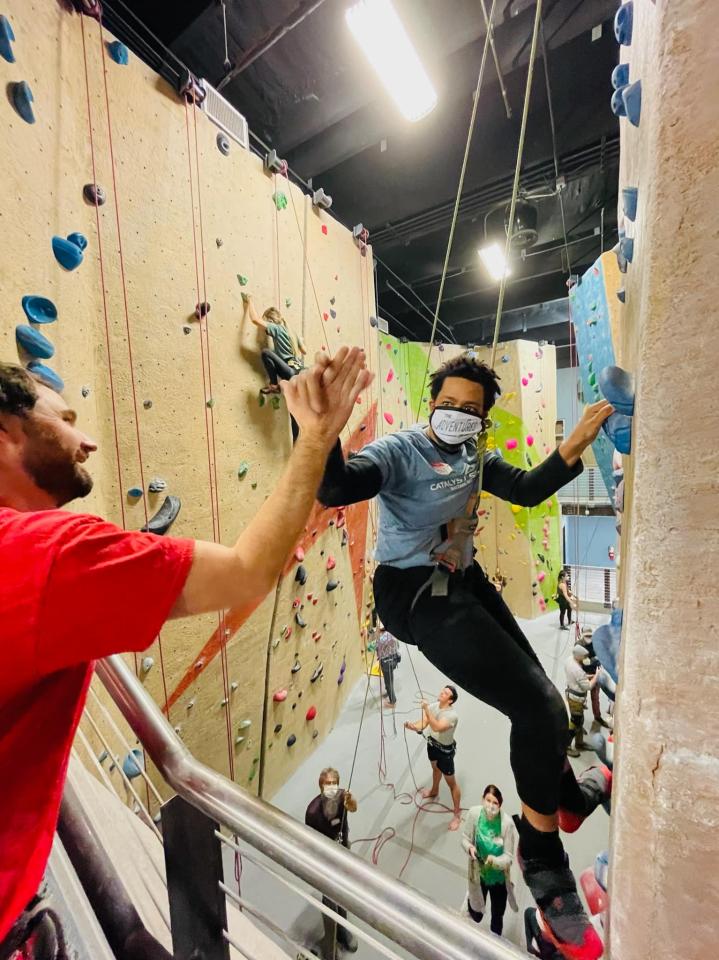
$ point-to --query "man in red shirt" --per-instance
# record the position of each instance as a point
(74, 588)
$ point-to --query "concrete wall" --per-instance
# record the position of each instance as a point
(664, 884)
(170, 396)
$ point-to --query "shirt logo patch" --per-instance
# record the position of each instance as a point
(443, 469)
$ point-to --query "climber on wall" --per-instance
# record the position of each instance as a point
(327, 813)
(66, 579)
(430, 592)
(284, 361)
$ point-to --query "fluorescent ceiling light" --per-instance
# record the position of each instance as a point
(384, 41)
(494, 260)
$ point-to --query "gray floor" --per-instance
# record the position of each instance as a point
(428, 856)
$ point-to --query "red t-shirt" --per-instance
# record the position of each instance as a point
(73, 588)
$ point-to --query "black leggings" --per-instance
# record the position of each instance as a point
(497, 895)
(471, 636)
(276, 367)
(564, 607)
(387, 667)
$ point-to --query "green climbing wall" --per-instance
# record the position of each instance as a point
(185, 224)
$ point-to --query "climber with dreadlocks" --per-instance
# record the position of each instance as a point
(429, 591)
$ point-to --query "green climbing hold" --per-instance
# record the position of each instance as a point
(254, 485)
(242, 470)
(288, 301)
(592, 379)
(261, 400)
(242, 279)
(280, 200)
(275, 402)
(210, 403)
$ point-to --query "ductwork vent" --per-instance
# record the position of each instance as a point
(224, 115)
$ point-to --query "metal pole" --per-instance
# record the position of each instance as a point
(405, 916)
(261, 47)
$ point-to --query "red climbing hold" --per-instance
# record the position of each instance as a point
(325, 316)
(279, 696)
(311, 713)
(331, 563)
(296, 604)
(324, 229)
(299, 554)
(390, 375)
(389, 418)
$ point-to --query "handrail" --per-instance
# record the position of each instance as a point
(404, 915)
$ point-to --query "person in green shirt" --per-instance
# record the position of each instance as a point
(489, 839)
(284, 360)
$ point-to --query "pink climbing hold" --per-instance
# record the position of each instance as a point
(331, 563)
(547, 449)
(389, 418)
(325, 316)
(530, 440)
(299, 554)
(389, 346)
(279, 696)
(390, 375)
(530, 374)
(524, 381)
(324, 229)
(541, 576)
(358, 400)
(511, 444)
(311, 713)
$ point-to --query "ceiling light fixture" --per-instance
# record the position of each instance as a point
(384, 41)
(494, 260)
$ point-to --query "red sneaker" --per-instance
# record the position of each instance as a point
(596, 785)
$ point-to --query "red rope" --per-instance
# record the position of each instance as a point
(116, 204)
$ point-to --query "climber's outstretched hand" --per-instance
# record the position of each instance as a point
(322, 398)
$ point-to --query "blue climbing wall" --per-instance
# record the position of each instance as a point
(591, 318)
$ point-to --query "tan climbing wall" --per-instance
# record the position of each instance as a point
(180, 394)
(664, 889)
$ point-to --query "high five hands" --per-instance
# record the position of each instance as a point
(322, 398)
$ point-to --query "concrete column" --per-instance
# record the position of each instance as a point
(664, 881)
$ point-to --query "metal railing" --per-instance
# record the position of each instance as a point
(587, 489)
(403, 915)
(593, 584)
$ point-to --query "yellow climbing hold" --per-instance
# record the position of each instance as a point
(515, 508)
(484, 495)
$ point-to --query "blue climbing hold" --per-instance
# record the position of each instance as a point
(630, 198)
(6, 39)
(617, 103)
(618, 427)
(118, 52)
(624, 23)
(618, 388)
(133, 764)
(620, 75)
(39, 309)
(68, 252)
(621, 259)
(606, 641)
(632, 97)
(47, 376)
(626, 247)
(333, 314)
(134, 493)
(617, 617)
(601, 869)
(33, 342)
(22, 99)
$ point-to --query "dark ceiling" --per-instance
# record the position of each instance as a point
(312, 97)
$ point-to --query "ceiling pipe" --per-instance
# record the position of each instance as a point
(269, 39)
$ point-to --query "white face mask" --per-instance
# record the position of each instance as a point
(330, 790)
(491, 809)
(453, 426)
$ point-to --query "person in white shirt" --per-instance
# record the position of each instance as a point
(442, 719)
(579, 684)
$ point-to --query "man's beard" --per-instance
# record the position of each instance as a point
(52, 468)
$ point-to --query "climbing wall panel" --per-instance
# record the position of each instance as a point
(595, 318)
(160, 359)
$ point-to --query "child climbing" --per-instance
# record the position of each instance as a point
(429, 591)
(284, 361)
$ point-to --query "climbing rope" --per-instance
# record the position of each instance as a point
(457, 200)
